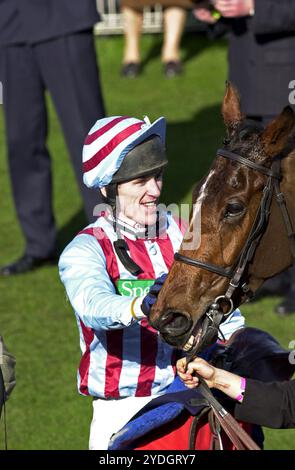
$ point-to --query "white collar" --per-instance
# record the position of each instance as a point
(133, 230)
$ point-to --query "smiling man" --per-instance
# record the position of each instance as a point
(124, 363)
(122, 357)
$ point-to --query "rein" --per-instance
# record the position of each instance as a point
(219, 418)
(215, 316)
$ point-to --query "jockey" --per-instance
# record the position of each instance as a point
(109, 267)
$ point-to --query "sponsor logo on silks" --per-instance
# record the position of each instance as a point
(134, 287)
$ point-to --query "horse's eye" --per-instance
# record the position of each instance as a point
(234, 208)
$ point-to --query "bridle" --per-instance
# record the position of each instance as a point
(235, 273)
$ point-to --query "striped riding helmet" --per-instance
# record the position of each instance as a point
(111, 139)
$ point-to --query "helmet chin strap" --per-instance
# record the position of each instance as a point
(122, 249)
(111, 194)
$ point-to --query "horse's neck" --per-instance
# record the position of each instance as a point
(273, 254)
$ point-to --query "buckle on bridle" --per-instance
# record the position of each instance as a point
(223, 298)
(216, 316)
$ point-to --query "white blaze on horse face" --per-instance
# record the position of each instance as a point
(192, 238)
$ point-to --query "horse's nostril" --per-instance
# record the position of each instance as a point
(175, 323)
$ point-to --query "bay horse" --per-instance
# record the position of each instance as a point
(248, 209)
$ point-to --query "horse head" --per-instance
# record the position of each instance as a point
(231, 219)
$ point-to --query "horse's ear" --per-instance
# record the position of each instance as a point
(278, 132)
(231, 109)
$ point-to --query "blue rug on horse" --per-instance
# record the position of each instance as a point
(164, 409)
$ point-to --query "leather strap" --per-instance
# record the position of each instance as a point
(216, 439)
(213, 268)
(121, 249)
(238, 158)
(237, 435)
(194, 427)
(280, 198)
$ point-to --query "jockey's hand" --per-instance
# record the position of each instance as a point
(186, 372)
(202, 13)
(150, 299)
(234, 8)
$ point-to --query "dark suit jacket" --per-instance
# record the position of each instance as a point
(262, 56)
(268, 404)
(33, 21)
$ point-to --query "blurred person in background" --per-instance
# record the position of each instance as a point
(174, 17)
(45, 45)
(261, 36)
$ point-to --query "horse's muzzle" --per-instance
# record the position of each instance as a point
(174, 326)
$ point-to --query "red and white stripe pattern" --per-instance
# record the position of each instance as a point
(131, 361)
(108, 142)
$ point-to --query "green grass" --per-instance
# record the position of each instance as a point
(45, 411)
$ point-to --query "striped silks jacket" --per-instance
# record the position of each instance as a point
(121, 357)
